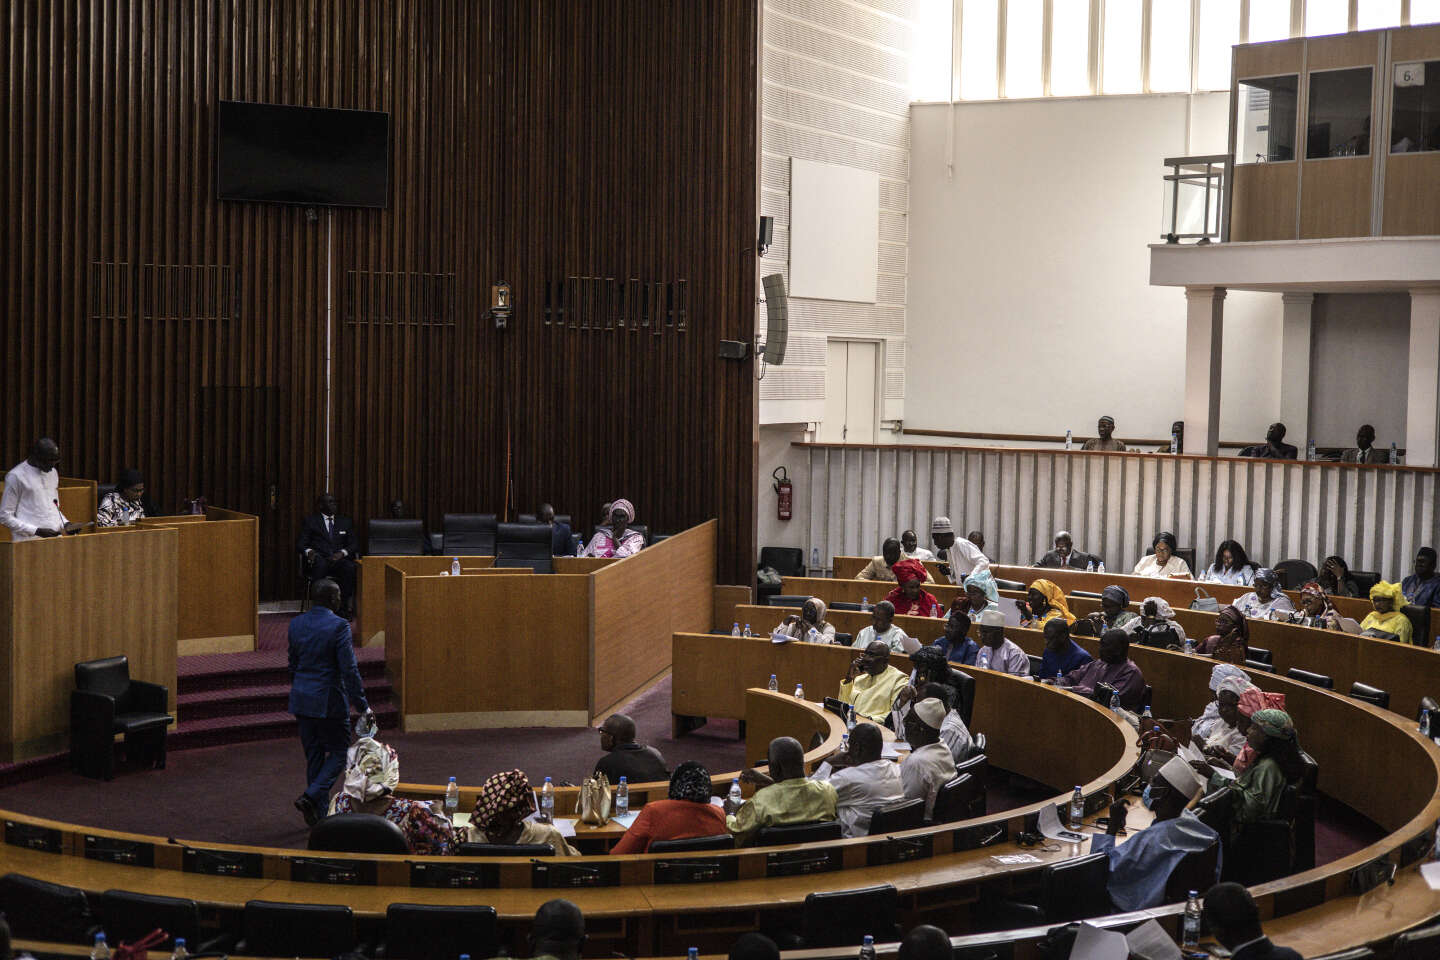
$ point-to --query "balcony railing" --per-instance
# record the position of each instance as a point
(1194, 201)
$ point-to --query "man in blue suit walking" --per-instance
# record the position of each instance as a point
(324, 683)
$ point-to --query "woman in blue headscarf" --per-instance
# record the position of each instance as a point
(980, 589)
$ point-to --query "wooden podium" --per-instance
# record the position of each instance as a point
(69, 599)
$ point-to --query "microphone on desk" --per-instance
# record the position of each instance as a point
(575, 867)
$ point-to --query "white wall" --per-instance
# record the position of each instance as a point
(775, 451)
(1359, 347)
(1029, 271)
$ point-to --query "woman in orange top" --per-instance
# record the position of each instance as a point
(686, 813)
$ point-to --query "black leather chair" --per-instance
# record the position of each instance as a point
(1259, 665)
(296, 929)
(415, 931)
(1365, 579)
(965, 684)
(785, 600)
(958, 799)
(1294, 574)
(1418, 944)
(357, 833)
(1076, 889)
(526, 518)
(1314, 679)
(395, 538)
(1419, 618)
(845, 917)
(128, 917)
(786, 561)
(846, 605)
(1363, 691)
(816, 832)
(1009, 585)
(1261, 654)
(908, 815)
(469, 534)
(105, 702)
(1035, 664)
(37, 910)
(506, 850)
(101, 491)
(977, 766)
(524, 545)
(1195, 871)
(721, 841)
(844, 639)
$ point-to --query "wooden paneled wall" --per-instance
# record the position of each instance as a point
(153, 326)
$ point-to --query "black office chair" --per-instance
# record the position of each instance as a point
(785, 600)
(1035, 664)
(786, 561)
(845, 917)
(395, 538)
(526, 518)
(1009, 585)
(506, 850)
(909, 815)
(1419, 618)
(965, 684)
(415, 931)
(127, 917)
(524, 545)
(1261, 654)
(844, 639)
(1314, 679)
(1076, 889)
(1365, 579)
(1294, 574)
(815, 832)
(720, 841)
(469, 535)
(296, 929)
(357, 833)
(37, 910)
(977, 766)
(1259, 665)
(105, 702)
(1363, 691)
(1195, 871)
(846, 605)
(957, 800)
(1418, 944)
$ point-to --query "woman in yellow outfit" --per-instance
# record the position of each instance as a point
(1386, 621)
(1044, 602)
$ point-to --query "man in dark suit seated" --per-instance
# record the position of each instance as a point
(1231, 915)
(324, 684)
(1274, 447)
(327, 548)
(560, 533)
(1065, 554)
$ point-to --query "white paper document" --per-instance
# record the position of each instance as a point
(1149, 941)
(1092, 943)
(891, 750)
(1050, 825)
(627, 820)
(1431, 872)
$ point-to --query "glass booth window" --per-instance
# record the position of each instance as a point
(1339, 121)
(1415, 123)
(1265, 111)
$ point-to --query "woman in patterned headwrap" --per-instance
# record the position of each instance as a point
(504, 802)
(1386, 621)
(1315, 605)
(618, 539)
(372, 771)
(687, 812)
(1258, 788)
(1115, 610)
(1231, 640)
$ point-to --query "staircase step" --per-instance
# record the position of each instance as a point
(257, 699)
(257, 668)
(243, 728)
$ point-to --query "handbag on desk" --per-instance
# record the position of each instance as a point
(1203, 601)
(596, 800)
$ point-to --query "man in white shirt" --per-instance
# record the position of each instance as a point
(929, 766)
(997, 652)
(910, 547)
(865, 783)
(882, 628)
(30, 506)
(958, 558)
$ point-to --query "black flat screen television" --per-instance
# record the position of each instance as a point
(311, 156)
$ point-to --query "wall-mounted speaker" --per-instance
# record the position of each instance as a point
(767, 235)
(777, 312)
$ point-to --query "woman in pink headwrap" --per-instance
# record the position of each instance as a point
(618, 539)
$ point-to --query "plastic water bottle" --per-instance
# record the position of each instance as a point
(692, 954)
(814, 558)
(1189, 645)
(1089, 566)
(1191, 935)
(799, 691)
(1100, 567)
(1146, 712)
(735, 630)
(452, 798)
(580, 549)
(547, 802)
(849, 720)
(736, 796)
(1115, 701)
(1077, 809)
(365, 726)
(1067, 439)
(1174, 443)
(622, 797)
(864, 604)
(455, 567)
(179, 953)
(812, 635)
(774, 685)
(101, 950)
(1394, 452)
(845, 743)
(746, 632)
(1425, 723)
(867, 946)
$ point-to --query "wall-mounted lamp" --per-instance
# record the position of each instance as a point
(500, 304)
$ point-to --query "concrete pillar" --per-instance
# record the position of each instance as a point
(1295, 368)
(1204, 320)
(1422, 408)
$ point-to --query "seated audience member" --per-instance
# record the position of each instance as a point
(1065, 554)
(1422, 587)
(872, 684)
(398, 510)
(1113, 667)
(685, 812)
(1274, 447)
(560, 533)
(863, 782)
(638, 762)
(1386, 621)
(754, 946)
(797, 626)
(879, 567)
(1163, 562)
(956, 646)
(998, 652)
(123, 505)
(372, 771)
(327, 547)
(908, 598)
(1231, 640)
(958, 558)
(910, 547)
(1106, 441)
(1252, 701)
(1226, 738)
(558, 932)
(1365, 450)
(1336, 580)
(1233, 919)
(1277, 762)
(783, 796)
(1141, 867)
(953, 731)
(1317, 608)
(926, 942)
(1202, 725)
(1115, 612)
(929, 765)
(1267, 601)
(1061, 654)
(501, 808)
(982, 593)
(1044, 601)
(977, 538)
(882, 629)
(1156, 626)
(1231, 566)
(619, 539)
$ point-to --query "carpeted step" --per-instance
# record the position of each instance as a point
(205, 672)
(257, 698)
(243, 728)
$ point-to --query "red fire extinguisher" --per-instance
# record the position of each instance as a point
(785, 491)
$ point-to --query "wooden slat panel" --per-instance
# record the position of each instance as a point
(1412, 204)
(1335, 200)
(1264, 203)
(1268, 59)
